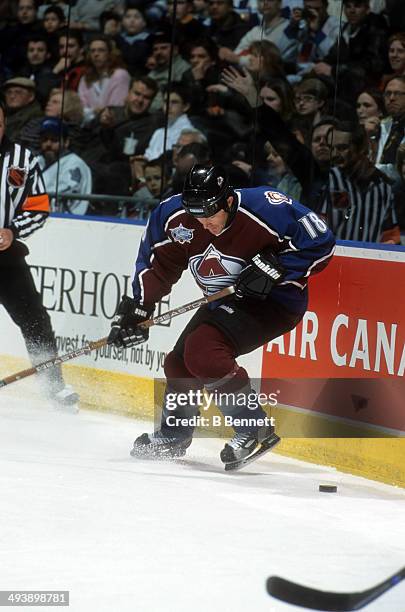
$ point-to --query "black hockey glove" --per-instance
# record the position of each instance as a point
(124, 327)
(257, 279)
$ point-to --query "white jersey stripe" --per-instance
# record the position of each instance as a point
(20, 178)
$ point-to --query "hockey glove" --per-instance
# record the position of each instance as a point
(124, 327)
(257, 279)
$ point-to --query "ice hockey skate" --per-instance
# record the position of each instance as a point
(160, 445)
(66, 400)
(246, 447)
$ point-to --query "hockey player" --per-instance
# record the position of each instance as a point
(259, 240)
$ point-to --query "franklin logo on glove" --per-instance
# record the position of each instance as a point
(267, 269)
(258, 278)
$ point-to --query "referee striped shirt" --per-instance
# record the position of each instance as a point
(24, 204)
(364, 214)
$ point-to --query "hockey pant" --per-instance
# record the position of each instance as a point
(205, 357)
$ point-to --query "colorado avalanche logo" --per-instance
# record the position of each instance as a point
(213, 270)
(275, 197)
(182, 234)
(16, 177)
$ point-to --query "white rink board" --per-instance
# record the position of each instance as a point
(82, 269)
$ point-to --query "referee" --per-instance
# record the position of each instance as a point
(24, 207)
(360, 202)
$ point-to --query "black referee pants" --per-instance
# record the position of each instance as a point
(23, 303)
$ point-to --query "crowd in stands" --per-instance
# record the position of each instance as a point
(122, 97)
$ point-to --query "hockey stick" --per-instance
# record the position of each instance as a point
(91, 346)
(314, 599)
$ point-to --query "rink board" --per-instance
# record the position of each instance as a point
(82, 269)
(346, 359)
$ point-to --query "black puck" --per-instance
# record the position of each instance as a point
(327, 488)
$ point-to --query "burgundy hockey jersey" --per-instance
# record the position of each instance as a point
(265, 218)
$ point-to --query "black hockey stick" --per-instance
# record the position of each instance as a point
(91, 346)
(314, 599)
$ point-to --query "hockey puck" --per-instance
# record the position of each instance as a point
(326, 488)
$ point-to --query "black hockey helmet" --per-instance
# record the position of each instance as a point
(205, 190)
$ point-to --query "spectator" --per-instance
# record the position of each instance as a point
(153, 179)
(370, 111)
(70, 67)
(86, 13)
(274, 28)
(227, 119)
(304, 164)
(370, 103)
(300, 130)
(161, 48)
(53, 22)
(123, 135)
(396, 53)
(201, 10)
(104, 82)
(396, 56)
(176, 105)
(356, 60)
(27, 12)
(149, 195)
(238, 157)
(399, 190)
(110, 23)
(187, 28)
(187, 156)
(279, 95)
(154, 10)
(376, 6)
(59, 3)
(335, 7)
(204, 71)
(311, 100)
(66, 105)
(22, 104)
(285, 180)
(317, 31)
(63, 105)
(133, 121)
(186, 137)
(321, 143)
(14, 38)
(392, 127)
(134, 41)
(225, 27)
(63, 171)
(360, 204)
(38, 67)
(263, 60)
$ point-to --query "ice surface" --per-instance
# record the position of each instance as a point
(123, 535)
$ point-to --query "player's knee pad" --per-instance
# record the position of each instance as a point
(208, 354)
(174, 367)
